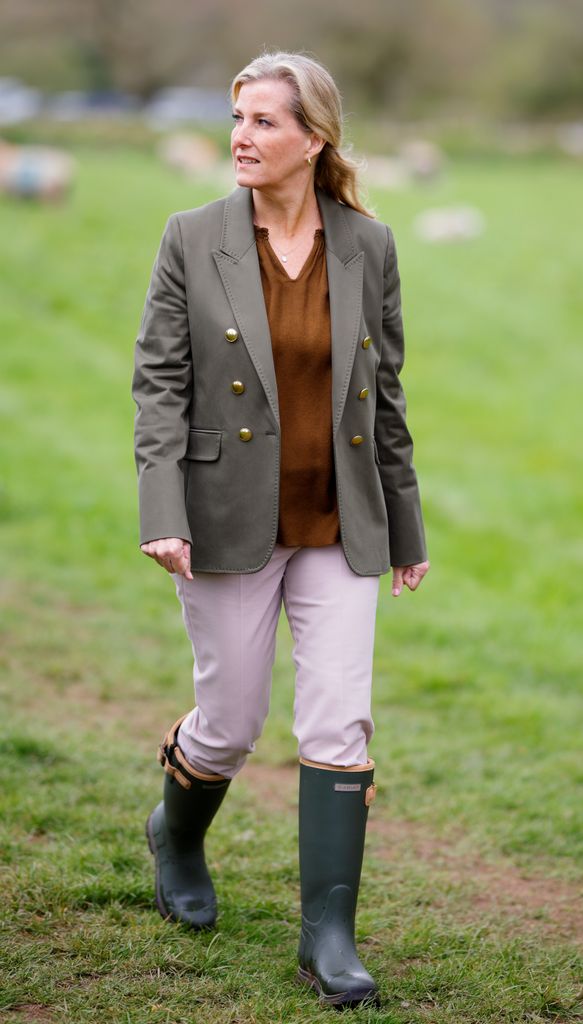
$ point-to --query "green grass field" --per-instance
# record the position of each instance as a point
(471, 907)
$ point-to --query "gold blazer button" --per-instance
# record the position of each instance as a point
(357, 439)
(245, 434)
(237, 387)
(231, 334)
(363, 393)
(366, 342)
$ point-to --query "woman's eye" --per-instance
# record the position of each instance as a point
(260, 120)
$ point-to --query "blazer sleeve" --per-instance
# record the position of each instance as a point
(162, 390)
(394, 443)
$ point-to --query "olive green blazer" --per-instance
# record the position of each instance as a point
(207, 456)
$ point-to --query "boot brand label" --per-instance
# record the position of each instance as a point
(348, 787)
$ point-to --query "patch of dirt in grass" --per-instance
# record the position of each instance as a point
(484, 891)
(29, 1013)
(124, 713)
(488, 889)
(276, 787)
(63, 661)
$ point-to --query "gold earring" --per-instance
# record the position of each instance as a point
(309, 161)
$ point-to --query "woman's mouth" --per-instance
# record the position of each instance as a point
(246, 160)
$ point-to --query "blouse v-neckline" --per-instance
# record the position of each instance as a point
(263, 233)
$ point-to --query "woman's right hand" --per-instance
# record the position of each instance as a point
(172, 553)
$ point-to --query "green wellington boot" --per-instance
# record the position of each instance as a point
(175, 831)
(333, 812)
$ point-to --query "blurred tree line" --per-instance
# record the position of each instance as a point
(408, 58)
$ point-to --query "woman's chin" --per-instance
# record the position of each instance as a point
(247, 176)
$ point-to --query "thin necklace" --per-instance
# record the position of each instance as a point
(284, 255)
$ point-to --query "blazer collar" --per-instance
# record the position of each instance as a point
(238, 233)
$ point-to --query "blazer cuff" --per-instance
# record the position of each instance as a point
(162, 504)
(406, 533)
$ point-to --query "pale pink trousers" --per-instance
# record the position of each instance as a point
(231, 620)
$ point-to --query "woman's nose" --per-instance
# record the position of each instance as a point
(241, 132)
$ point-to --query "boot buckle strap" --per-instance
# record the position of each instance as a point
(168, 747)
(175, 773)
(176, 765)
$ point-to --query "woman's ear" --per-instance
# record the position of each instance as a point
(317, 144)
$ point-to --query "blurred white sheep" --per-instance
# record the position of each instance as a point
(35, 172)
(449, 224)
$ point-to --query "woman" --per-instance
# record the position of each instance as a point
(275, 464)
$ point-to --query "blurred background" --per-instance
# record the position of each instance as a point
(478, 72)
(468, 117)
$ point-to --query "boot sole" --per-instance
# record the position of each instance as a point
(340, 1000)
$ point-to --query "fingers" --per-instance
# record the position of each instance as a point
(409, 576)
(397, 581)
(182, 561)
(172, 553)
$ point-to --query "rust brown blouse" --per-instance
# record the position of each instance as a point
(298, 312)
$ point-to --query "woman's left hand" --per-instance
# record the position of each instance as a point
(409, 575)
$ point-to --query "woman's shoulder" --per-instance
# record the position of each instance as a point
(198, 228)
(369, 233)
(361, 222)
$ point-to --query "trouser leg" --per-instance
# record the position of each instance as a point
(231, 620)
(331, 611)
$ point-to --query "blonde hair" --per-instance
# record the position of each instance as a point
(317, 106)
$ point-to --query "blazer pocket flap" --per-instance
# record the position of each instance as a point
(203, 445)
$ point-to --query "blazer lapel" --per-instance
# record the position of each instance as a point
(345, 266)
(238, 264)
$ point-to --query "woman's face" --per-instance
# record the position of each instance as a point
(268, 146)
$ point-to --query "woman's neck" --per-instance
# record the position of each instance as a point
(287, 215)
